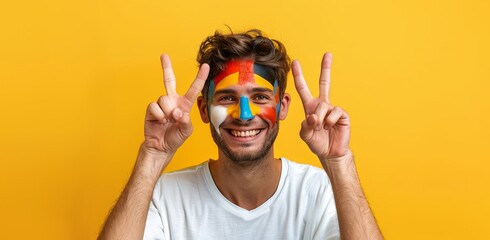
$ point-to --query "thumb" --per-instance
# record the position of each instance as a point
(310, 122)
(184, 122)
(308, 126)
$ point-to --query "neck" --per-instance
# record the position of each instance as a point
(247, 185)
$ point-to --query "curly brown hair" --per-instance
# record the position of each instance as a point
(220, 48)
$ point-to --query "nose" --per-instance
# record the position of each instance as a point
(245, 111)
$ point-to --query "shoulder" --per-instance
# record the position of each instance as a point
(183, 178)
(306, 171)
(311, 177)
(321, 214)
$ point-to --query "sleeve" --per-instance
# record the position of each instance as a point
(154, 224)
(323, 219)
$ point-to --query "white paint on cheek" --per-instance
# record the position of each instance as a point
(218, 116)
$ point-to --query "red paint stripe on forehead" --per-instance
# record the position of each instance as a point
(243, 67)
(246, 72)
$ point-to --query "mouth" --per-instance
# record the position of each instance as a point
(244, 133)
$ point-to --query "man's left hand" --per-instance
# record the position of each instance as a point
(326, 128)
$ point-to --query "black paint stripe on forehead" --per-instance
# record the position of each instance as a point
(265, 72)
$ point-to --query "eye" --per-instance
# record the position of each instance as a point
(261, 98)
(226, 99)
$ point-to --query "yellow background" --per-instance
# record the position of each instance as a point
(76, 77)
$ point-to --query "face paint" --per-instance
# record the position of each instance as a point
(218, 115)
(240, 73)
(243, 110)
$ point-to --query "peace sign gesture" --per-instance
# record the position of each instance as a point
(167, 122)
(326, 129)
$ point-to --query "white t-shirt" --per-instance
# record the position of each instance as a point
(186, 204)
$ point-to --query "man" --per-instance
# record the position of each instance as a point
(246, 193)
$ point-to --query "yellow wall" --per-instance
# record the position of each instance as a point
(76, 77)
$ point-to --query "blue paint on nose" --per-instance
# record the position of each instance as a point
(245, 112)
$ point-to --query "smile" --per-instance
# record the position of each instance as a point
(248, 133)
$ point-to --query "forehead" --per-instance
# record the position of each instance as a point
(242, 72)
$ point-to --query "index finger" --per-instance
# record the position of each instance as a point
(300, 83)
(198, 83)
(325, 77)
(168, 74)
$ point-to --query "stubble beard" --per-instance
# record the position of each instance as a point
(246, 159)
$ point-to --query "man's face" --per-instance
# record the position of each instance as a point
(243, 105)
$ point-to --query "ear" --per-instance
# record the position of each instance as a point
(203, 109)
(285, 101)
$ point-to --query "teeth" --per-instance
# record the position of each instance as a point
(249, 133)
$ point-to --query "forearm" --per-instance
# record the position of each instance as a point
(128, 217)
(356, 220)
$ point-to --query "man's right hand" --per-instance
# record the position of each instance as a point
(167, 126)
(167, 122)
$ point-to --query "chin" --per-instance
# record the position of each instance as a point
(247, 154)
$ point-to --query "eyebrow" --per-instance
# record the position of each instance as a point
(261, 90)
(225, 91)
(253, 90)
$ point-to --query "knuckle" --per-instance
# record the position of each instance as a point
(164, 100)
(153, 108)
(343, 112)
(329, 121)
(151, 105)
(161, 100)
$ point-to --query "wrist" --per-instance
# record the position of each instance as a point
(338, 160)
(152, 162)
(339, 166)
